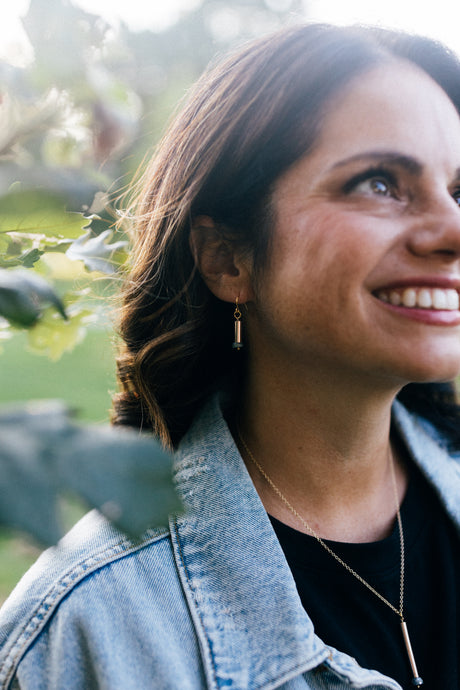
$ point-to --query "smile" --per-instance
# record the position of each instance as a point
(437, 299)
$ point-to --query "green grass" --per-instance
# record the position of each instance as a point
(84, 379)
(16, 556)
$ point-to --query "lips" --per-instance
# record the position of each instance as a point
(416, 297)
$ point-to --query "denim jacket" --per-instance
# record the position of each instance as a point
(208, 602)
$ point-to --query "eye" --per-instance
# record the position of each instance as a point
(373, 182)
(375, 185)
(456, 196)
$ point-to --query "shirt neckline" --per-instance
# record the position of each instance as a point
(382, 556)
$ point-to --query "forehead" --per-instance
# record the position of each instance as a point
(393, 105)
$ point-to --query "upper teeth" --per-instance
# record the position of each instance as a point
(421, 298)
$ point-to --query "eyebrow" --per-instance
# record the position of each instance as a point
(412, 165)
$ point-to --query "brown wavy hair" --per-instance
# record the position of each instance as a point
(246, 121)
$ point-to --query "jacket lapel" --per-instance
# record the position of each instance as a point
(427, 448)
(240, 588)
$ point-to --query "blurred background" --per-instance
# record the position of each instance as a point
(86, 88)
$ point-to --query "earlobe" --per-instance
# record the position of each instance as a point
(220, 266)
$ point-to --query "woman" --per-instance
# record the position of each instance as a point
(308, 193)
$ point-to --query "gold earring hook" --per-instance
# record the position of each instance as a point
(237, 313)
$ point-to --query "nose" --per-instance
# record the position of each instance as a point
(437, 232)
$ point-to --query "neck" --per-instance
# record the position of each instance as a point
(326, 446)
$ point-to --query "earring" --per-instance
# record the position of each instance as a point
(238, 343)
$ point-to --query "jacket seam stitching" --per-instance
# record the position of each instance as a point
(189, 582)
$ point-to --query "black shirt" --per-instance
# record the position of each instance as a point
(347, 616)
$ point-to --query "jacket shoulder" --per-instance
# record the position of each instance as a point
(90, 546)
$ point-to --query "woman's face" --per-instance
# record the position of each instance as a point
(364, 271)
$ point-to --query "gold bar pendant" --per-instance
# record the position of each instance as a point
(417, 681)
(238, 343)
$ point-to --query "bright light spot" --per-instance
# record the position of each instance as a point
(14, 46)
(279, 5)
(438, 20)
(139, 14)
(225, 23)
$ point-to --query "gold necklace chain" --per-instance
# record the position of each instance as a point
(417, 681)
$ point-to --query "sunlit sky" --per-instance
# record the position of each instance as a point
(440, 19)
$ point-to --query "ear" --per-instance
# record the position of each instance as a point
(224, 269)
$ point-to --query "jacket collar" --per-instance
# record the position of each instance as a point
(253, 630)
(428, 449)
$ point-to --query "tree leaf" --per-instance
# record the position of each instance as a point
(23, 295)
(52, 336)
(43, 455)
(25, 249)
(126, 476)
(28, 482)
(38, 211)
(98, 253)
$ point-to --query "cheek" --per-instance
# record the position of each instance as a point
(324, 246)
(302, 273)
(325, 254)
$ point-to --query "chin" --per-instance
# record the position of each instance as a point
(429, 373)
(432, 367)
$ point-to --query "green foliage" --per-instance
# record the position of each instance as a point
(98, 253)
(16, 556)
(22, 294)
(43, 454)
(53, 336)
(83, 378)
(75, 124)
(32, 213)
